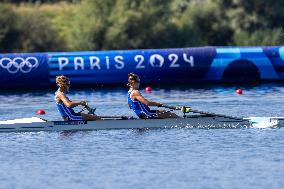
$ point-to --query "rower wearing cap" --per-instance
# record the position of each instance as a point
(65, 106)
(140, 105)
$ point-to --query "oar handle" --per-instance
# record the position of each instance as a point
(90, 110)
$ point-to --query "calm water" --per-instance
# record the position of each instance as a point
(176, 158)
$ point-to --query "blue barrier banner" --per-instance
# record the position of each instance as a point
(154, 66)
(26, 70)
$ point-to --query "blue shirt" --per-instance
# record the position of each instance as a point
(140, 109)
(67, 112)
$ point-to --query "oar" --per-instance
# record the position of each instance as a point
(187, 109)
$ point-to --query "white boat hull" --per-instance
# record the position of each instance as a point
(198, 121)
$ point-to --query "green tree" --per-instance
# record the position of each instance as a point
(37, 34)
(255, 22)
(261, 14)
(9, 33)
(266, 37)
(125, 24)
(140, 24)
(38, 1)
(208, 24)
(90, 24)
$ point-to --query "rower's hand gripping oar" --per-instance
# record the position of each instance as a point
(89, 109)
(187, 109)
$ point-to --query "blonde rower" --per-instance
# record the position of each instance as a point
(65, 106)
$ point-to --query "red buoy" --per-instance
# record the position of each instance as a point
(40, 112)
(148, 89)
(239, 91)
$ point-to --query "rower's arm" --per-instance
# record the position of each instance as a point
(140, 98)
(67, 102)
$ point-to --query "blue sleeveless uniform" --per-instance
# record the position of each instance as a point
(140, 109)
(67, 113)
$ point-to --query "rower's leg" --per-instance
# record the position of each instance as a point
(166, 114)
(88, 117)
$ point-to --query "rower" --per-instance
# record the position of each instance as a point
(65, 106)
(140, 105)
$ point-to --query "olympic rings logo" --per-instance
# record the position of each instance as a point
(19, 64)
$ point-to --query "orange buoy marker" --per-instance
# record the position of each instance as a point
(148, 89)
(40, 112)
(239, 91)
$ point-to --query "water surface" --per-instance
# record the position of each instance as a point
(161, 158)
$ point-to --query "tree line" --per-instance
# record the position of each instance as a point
(73, 25)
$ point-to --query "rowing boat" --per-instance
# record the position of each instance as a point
(199, 119)
(192, 121)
